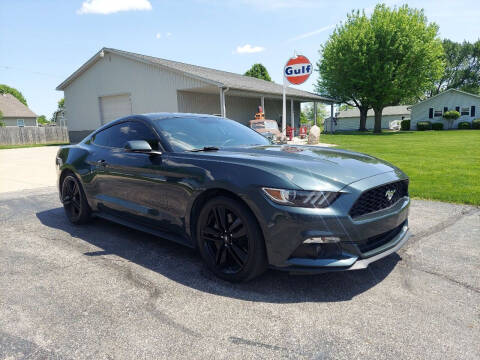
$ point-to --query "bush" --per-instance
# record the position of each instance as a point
(437, 126)
(451, 116)
(405, 125)
(464, 125)
(476, 124)
(424, 125)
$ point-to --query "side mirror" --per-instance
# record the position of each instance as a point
(138, 146)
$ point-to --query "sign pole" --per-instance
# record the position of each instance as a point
(284, 108)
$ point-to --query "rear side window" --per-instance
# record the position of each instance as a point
(118, 135)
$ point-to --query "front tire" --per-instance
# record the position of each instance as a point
(230, 241)
(74, 201)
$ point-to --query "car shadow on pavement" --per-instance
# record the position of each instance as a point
(184, 265)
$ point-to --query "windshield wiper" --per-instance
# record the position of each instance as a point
(205, 148)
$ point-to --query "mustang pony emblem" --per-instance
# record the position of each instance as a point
(389, 194)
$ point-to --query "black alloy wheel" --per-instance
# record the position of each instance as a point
(74, 202)
(230, 240)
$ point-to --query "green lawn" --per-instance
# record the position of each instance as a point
(27, 146)
(442, 165)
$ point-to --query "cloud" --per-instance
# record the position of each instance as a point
(158, 35)
(112, 6)
(315, 32)
(249, 49)
(168, 34)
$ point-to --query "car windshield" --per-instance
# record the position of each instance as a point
(189, 133)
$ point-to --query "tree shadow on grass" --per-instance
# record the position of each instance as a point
(185, 266)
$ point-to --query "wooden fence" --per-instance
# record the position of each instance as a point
(13, 135)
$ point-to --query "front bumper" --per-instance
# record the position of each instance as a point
(363, 239)
(347, 261)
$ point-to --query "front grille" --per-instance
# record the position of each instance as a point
(379, 240)
(377, 198)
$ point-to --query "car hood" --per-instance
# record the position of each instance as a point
(308, 167)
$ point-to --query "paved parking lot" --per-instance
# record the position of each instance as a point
(107, 292)
(103, 291)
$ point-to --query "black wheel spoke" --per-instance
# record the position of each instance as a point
(237, 255)
(220, 217)
(240, 232)
(220, 256)
(233, 226)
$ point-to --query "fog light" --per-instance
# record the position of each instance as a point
(322, 240)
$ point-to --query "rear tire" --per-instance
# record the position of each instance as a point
(230, 241)
(74, 200)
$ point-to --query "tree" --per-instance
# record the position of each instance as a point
(258, 71)
(451, 116)
(342, 64)
(462, 68)
(394, 55)
(309, 114)
(2, 123)
(5, 89)
(42, 120)
(60, 109)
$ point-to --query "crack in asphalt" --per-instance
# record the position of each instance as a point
(408, 261)
(452, 220)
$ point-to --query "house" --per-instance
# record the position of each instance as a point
(115, 83)
(15, 113)
(350, 119)
(432, 109)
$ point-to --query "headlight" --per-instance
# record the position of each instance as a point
(301, 198)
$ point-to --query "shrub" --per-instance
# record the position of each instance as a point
(464, 125)
(451, 116)
(437, 126)
(476, 124)
(424, 125)
(405, 125)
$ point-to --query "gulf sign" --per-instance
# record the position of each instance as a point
(297, 70)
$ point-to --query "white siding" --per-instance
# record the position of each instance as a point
(152, 90)
(13, 121)
(354, 123)
(449, 99)
(241, 109)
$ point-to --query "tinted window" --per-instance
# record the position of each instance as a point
(117, 135)
(185, 134)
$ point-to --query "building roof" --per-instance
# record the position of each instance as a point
(215, 77)
(445, 93)
(10, 106)
(389, 110)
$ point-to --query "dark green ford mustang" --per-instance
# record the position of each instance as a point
(244, 203)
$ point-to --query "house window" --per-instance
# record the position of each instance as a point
(438, 112)
(20, 122)
(465, 111)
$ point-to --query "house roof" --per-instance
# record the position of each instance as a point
(212, 76)
(444, 93)
(389, 110)
(10, 106)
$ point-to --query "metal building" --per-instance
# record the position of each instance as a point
(115, 83)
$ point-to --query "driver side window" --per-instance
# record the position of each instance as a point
(118, 135)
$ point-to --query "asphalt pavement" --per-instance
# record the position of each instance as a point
(103, 291)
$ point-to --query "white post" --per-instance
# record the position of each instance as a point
(262, 103)
(222, 102)
(292, 117)
(284, 109)
(315, 113)
(331, 118)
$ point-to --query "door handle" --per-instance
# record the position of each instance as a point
(101, 163)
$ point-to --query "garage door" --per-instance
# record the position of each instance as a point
(114, 107)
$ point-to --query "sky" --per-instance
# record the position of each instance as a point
(43, 41)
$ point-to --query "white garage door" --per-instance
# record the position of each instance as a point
(114, 107)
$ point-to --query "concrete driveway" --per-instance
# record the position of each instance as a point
(104, 291)
(27, 168)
